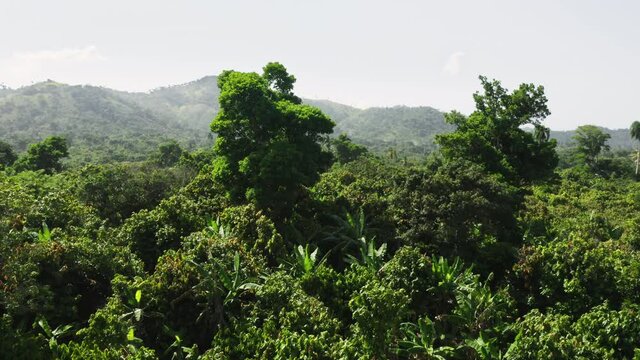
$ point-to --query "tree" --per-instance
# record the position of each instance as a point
(590, 141)
(7, 155)
(635, 133)
(345, 150)
(45, 155)
(492, 135)
(268, 142)
(169, 153)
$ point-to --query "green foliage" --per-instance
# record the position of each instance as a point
(284, 323)
(576, 274)
(263, 130)
(169, 153)
(151, 232)
(476, 253)
(370, 254)
(45, 155)
(345, 150)
(456, 209)
(378, 311)
(602, 333)
(590, 141)
(411, 271)
(420, 339)
(118, 191)
(63, 279)
(349, 192)
(7, 155)
(306, 261)
(492, 135)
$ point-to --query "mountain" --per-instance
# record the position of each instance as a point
(192, 105)
(104, 125)
(100, 124)
(408, 130)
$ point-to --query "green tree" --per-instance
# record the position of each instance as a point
(635, 133)
(492, 135)
(268, 143)
(590, 142)
(45, 155)
(7, 155)
(345, 150)
(169, 153)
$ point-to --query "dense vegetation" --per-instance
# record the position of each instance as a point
(283, 243)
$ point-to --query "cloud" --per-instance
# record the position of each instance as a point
(452, 66)
(22, 68)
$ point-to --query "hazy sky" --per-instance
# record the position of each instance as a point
(362, 53)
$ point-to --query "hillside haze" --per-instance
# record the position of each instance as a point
(102, 124)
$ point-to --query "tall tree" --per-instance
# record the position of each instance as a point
(7, 155)
(45, 155)
(168, 153)
(268, 142)
(493, 136)
(346, 150)
(590, 142)
(635, 133)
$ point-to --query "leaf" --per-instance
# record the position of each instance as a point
(131, 336)
(236, 262)
(138, 296)
(45, 327)
(61, 330)
(249, 286)
(225, 277)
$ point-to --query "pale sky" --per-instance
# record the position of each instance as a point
(361, 53)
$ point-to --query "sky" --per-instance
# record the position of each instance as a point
(363, 53)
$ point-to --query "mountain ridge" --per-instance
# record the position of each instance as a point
(103, 123)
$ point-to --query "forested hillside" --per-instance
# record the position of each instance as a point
(104, 125)
(191, 105)
(282, 243)
(99, 124)
(408, 130)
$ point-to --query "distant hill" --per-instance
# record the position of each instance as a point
(102, 124)
(408, 130)
(192, 105)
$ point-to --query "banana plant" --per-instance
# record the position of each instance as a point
(304, 260)
(44, 235)
(475, 309)
(53, 336)
(133, 342)
(219, 286)
(177, 349)
(485, 349)
(420, 339)
(349, 230)
(134, 305)
(370, 255)
(232, 282)
(216, 227)
(451, 278)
